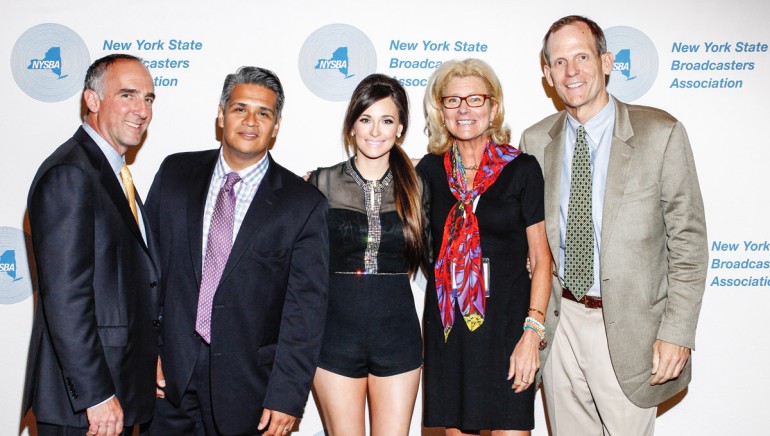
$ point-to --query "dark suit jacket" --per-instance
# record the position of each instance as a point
(95, 330)
(269, 310)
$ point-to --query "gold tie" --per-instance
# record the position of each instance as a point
(128, 183)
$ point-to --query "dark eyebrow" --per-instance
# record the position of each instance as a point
(135, 91)
(262, 108)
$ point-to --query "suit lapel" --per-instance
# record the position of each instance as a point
(259, 212)
(617, 171)
(109, 182)
(553, 153)
(151, 246)
(199, 180)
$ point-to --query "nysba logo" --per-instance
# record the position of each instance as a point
(334, 59)
(339, 61)
(49, 62)
(636, 62)
(15, 282)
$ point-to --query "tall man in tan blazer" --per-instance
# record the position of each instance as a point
(629, 279)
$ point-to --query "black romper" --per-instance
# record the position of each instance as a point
(372, 325)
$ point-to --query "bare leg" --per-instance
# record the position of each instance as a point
(391, 402)
(342, 401)
(510, 432)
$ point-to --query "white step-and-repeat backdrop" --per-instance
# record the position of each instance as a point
(706, 62)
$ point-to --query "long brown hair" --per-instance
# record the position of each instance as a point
(406, 190)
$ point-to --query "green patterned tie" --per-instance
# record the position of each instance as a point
(579, 252)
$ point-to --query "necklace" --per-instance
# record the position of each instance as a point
(470, 167)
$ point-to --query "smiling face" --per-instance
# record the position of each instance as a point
(249, 124)
(376, 129)
(577, 71)
(123, 112)
(464, 123)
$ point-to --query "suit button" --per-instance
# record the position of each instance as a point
(556, 312)
(156, 323)
(153, 284)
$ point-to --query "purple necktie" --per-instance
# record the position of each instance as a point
(217, 251)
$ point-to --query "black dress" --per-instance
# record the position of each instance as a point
(372, 325)
(465, 377)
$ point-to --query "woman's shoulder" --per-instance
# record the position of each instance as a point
(324, 177)
(526, 162)
(334, 169)
(430, 162)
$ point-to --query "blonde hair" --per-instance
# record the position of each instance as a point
(439, 138)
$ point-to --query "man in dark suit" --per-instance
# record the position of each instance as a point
(244, 250)
(626, 226)
(94, 342)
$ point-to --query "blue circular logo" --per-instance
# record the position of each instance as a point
(49, 62)
(636, 62)
(15, 280)
(334, 59)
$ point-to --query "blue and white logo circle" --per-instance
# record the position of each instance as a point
(636, 62)
(334, 59)
(15, 280)
(49, 62)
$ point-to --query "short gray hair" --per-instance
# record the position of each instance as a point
(254, 76)
(95, 74)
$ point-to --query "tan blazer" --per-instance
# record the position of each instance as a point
(654, 250)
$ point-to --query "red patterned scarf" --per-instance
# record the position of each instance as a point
(461, 245)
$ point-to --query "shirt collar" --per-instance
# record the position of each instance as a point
(599, 125)
(113, 157)
(249, 175)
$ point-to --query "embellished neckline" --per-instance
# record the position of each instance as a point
(379, 185)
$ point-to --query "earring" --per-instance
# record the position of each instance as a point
(353, 133)
(490, 123)
(398, 135)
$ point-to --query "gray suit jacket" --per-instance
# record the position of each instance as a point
(654, 249)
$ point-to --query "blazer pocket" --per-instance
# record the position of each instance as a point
(641, 194)
(113, 336)
(268, 254)
(266, 354)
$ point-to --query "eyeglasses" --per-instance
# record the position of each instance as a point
(473, 100)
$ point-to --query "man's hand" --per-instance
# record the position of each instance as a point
(280, 423)
(667, 361)
(160, 381)
(106, 419)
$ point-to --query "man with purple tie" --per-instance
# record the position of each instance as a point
(244, 258)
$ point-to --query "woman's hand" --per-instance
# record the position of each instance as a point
(525, 361)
